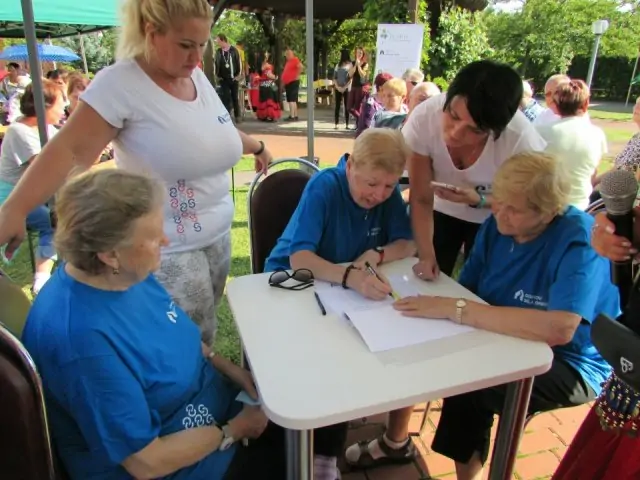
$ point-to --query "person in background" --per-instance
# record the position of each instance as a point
(12, 88)
(420, 93)
(629, 157)
(164, 118)
(341, 84)
(291, 81)
(371, 103)
(359, 74)
(529, 105)
(412, 77)
(460, 139)
(244, 68)
(131, 390)
(229, 72)
(392, 99)
(20, 146)
(577, 144)
(549, 115)
(534, 267)
(76, 84)
(268, 107)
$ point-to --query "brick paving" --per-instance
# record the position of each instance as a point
(543, 445)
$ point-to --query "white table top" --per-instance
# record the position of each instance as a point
(314, 371)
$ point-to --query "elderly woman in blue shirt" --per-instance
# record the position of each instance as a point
(351, 215)
(533, 264)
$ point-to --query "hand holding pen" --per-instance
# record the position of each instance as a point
(371, 271)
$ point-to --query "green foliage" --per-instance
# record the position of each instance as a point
(99, 49)
(545, 35)
(461, 40)
(441, 83)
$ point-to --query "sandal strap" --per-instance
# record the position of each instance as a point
(406, 451)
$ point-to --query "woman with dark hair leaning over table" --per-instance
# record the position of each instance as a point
(351, 215)
(533, 265)
(607, 446)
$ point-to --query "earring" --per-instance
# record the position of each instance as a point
(116, 271)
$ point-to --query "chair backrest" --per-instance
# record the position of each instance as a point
(271, 204)
(26, 452)
(14, 305)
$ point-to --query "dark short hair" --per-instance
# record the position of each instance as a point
(53, 74)
(493, 92)
(222, 37)
(569, 97)
(51, 91)
(13, 65)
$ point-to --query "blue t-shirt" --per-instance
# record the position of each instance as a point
(329, 223)
(120, 369)
(557, 271)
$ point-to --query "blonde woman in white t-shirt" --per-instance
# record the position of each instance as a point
(574, 141)
(164, 118)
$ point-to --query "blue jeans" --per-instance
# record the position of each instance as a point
(40, 220)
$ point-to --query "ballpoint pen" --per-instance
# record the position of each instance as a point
(370, 269)
(322, 309)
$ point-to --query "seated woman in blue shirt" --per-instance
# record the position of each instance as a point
(131, 390)
(351, 216)
(533, 264)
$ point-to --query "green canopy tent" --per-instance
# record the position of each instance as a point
(33, 19)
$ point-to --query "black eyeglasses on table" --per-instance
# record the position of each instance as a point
(303, 277)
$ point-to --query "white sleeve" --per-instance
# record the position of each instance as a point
(415, 131)
(530, 141)
(23, 145)
(107, 94)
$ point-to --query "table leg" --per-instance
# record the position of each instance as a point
(299, 454)
(510, 428)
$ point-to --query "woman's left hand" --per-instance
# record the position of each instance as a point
(427, 307)
(263, 161)
(243, 379)
(468, 196)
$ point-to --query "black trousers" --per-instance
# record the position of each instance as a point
(341, 98)
(265, 457)
(466, 420)
(229, 96)
(449, 235)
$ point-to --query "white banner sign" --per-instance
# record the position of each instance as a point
(399, 47)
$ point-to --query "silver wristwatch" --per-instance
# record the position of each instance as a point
(227, 438)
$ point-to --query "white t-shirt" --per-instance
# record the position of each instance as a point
(580, 146)
(423, 133)
(21, 143)
(191, 146)
(548, 117)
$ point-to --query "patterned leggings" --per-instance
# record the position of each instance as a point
(196, 280)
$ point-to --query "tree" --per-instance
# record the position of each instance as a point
(462, 40)
(99, 48)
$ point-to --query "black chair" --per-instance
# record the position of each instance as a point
(271, 202)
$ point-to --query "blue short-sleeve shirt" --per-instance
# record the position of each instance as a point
(557, 271)
(329, 223)
(120, 369)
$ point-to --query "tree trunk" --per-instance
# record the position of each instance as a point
(414, 6)
(207, 63)
(434, 7)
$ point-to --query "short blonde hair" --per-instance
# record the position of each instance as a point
(380, 148)
(136, 14)
(537, 176)
(97, 211)
(396, 86)
(413, 75)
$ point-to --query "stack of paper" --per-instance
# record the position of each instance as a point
(380, 325)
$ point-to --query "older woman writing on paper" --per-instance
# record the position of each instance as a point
(533, 264)
(351, 215)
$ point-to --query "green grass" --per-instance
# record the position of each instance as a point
(609, 115)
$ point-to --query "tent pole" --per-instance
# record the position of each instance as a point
(34, 67)
(84, 55)
(311, 97)
(633, 76)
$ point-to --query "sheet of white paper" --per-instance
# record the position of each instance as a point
(337, 300)
(384, 328)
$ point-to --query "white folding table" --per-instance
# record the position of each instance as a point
(313, 370)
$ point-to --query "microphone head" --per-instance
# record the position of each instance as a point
(619, 189)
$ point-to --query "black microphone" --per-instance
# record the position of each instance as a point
(619, 189)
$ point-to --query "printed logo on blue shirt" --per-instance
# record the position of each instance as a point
(196, 416)
(529, 299)
(172, 315)
(374, 232)
(226, 118)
